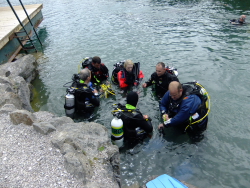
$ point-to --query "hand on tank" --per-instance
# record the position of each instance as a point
(95, 91)
(165, 117)
(161, 126)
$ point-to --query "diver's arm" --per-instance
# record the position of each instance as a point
(150, 81)
(164, 103)
(185, 111)
(144, 124)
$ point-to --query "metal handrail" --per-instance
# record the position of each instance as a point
(30, 22)
(20, 23)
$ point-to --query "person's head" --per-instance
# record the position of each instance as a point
(160, 69)
(175, 90)
(128, 65)
(85, 75)
(132, 98)
(96, 62)
(242, 18)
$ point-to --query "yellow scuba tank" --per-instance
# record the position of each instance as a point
(117, 136)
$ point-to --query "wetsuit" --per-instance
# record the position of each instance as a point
(98, 75)
(132, 121)
(126, 78)
(237, 22)
(84, 94)
(161, 82)
(183, 110)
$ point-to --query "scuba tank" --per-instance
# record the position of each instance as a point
(69, 103)
(117, 136)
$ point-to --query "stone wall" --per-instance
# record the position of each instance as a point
(88, 152)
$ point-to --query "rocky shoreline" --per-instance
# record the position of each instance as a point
(39, 149)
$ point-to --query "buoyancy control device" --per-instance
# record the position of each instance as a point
(120, 66)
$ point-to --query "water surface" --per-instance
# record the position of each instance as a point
(194, 36)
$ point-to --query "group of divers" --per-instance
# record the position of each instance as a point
(183, 106)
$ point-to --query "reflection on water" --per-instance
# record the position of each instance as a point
(193, 35)
(40, 95)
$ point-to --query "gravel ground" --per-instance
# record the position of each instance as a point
(28, 159)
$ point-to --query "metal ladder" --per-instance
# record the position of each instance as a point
(22, 39)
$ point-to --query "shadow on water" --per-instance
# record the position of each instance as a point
(40, 95)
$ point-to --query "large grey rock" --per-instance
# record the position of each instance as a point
(89, 154)
(23, 92)
(15, 91)
(8, 94)
(14, 82)
(22, 116)
(24, 67)
(77, 163)
(7, 108)
(44, 127)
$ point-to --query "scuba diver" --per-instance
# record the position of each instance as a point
(127, 74)
(81, 96)
(135, 125)
(185, 106)
(240, 21)
(161, 79)
(99, 72)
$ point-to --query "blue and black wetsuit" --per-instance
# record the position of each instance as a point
(183, 110)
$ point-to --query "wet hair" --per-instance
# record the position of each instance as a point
(96, 59)
(161, 64)
(128, 62)
(84, 74)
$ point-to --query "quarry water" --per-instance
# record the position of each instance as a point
(193, 35)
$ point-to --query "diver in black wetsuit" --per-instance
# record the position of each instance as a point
(84, 92)
(161, 79)
(135, 125)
